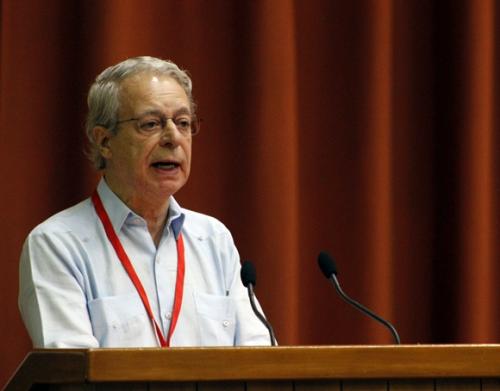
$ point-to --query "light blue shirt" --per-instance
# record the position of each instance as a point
(74, 291)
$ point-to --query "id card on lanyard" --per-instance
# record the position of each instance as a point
(124, 259)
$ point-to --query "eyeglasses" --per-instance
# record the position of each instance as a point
(150, 124)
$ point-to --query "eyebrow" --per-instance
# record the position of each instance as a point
(180, 111)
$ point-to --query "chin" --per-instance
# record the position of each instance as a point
(170, 189)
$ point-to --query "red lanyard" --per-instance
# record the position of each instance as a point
(124, 259)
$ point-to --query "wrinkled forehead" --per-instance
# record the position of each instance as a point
(143, 82)
(150, 88)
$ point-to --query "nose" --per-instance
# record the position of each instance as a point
(170, 134)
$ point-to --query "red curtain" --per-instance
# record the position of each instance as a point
(365, 128)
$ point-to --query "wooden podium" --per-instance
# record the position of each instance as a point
(300, 368)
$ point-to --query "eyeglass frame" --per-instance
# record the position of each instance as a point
(194, 124)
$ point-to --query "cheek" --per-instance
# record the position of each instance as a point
(187, 151)
(137, 153)
(130, 161)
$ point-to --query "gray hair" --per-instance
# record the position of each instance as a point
(104, 100)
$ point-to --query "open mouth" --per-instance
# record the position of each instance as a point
(166, 165)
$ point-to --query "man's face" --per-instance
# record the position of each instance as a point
(149, 166)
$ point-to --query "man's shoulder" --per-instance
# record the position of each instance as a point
(202, 224)
(72, 219)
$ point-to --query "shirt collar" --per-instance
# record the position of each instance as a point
(118, 211)
(175, 217)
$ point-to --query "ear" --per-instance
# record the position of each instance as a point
(102, 136)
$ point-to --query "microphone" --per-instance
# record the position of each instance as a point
(329, 269)
(249, 279)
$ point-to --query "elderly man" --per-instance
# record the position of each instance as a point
(129, 267)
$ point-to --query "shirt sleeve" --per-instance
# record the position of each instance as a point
(52, 298)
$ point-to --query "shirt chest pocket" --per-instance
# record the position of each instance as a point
(216, 318)
(120, 321)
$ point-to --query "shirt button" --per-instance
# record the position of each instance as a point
(225, 323)
(168, 316)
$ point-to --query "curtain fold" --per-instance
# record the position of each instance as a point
(477, 193)
(271, 118)
(377, 156)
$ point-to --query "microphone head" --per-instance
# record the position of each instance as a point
(248, 275)
(327, 264)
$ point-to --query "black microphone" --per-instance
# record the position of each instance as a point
(249, 280)
(327, 266)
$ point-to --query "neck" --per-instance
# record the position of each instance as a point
(152, 209)
(156, 222)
